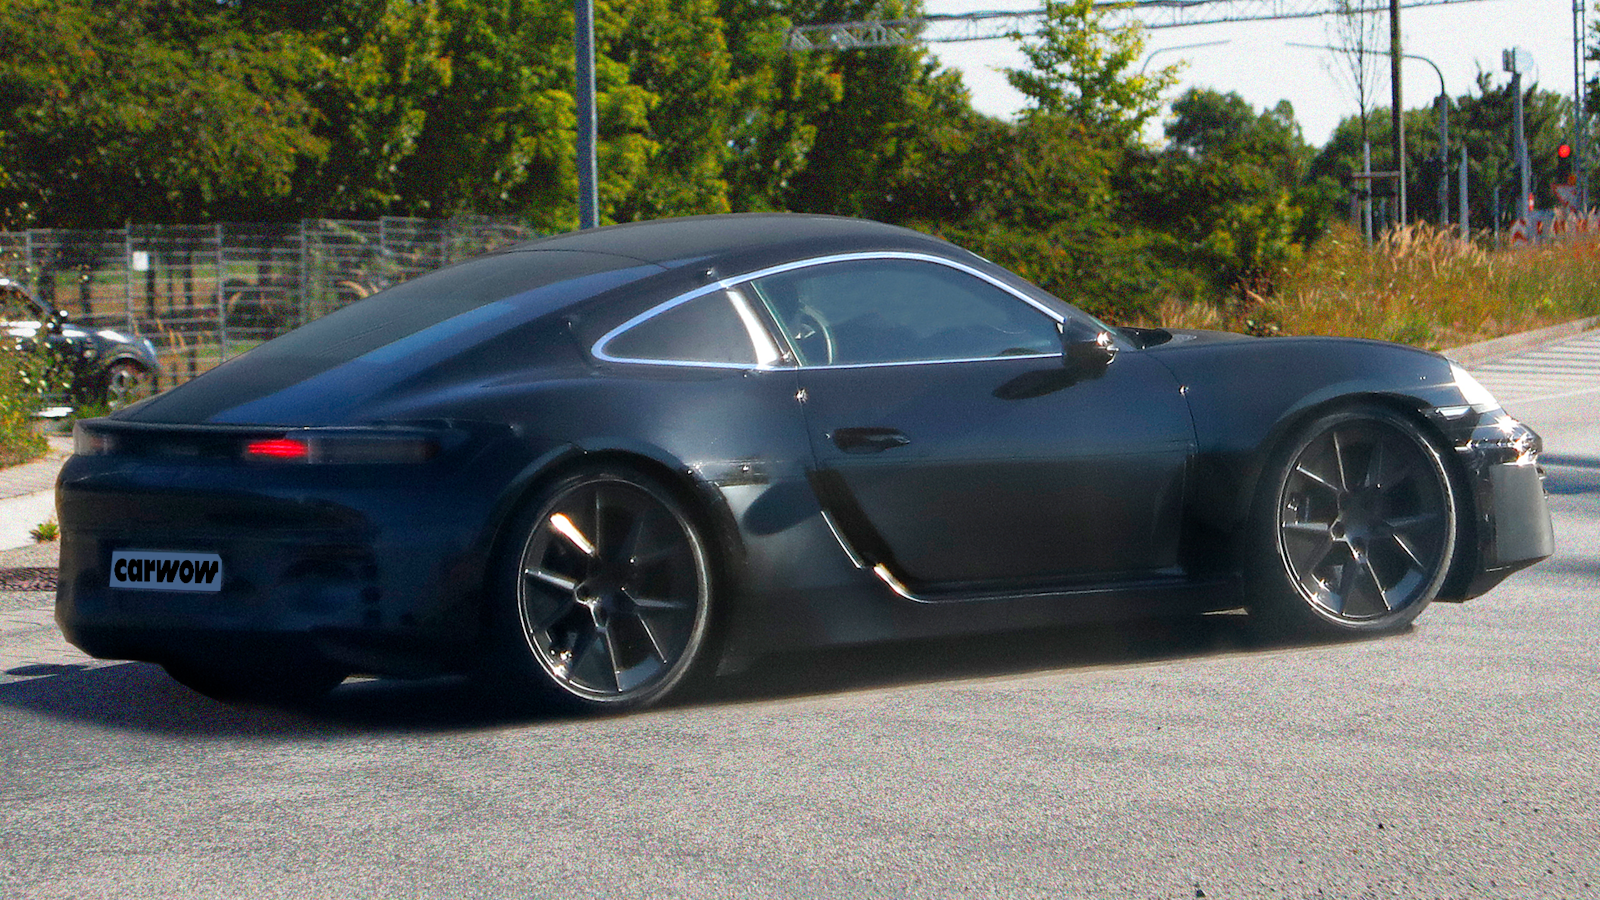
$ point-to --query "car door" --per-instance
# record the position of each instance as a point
(952, 445)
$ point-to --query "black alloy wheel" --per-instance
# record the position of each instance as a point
(1363, 525)
(613, 592)
(127, 383)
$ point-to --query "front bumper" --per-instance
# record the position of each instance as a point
(1509, 526)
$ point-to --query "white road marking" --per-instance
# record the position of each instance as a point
(1568, 368)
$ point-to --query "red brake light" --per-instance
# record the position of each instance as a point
(278, 448)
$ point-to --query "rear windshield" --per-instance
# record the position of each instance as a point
(400, 330)
(428, 300)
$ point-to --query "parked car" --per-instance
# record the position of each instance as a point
(593, 467)
(102, 365)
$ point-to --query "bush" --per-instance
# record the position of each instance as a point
(19, 442)
(1418, 285)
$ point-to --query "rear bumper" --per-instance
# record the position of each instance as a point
(383, 571)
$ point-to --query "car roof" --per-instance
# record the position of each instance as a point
(733, 243)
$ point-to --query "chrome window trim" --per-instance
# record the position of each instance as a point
(598, 350)
(730, 285)
(767, 352)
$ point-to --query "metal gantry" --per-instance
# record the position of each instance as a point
(983, 26)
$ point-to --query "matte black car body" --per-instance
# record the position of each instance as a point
(105, 364)
(842, 503)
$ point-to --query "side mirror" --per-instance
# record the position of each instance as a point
(1086, 351)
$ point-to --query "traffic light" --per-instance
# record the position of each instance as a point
(1564, 173)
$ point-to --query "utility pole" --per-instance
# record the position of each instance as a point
(1515, 60)
(1580, 115)
(1398, 140)
(583, 49)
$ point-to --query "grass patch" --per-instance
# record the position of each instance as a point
(1419, 285)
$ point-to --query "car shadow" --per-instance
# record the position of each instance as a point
(140, 697)
(1000, 655)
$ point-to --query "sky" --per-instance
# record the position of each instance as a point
(1461, 38)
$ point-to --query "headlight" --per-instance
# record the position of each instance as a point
(1474, 394)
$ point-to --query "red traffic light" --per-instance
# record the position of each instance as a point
(1564, 151)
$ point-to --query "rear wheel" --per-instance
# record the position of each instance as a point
(606, 594)
(1357, 524)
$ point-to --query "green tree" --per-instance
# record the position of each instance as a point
(148, 110)
(1231, 188)
(1079, 67)
(779, 96)
(677, 52)
(380, 63)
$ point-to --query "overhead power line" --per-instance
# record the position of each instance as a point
(983, 26)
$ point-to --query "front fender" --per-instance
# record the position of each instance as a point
(1247, 397)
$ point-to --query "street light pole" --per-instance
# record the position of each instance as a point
(1580, 114)
(1444, 141)
(1444, 122)
(1159, 50)
(583, 50)
(1398, 139)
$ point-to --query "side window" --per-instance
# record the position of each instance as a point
(892, 310)
(707, 329)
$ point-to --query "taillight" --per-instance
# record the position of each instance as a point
(92, 443)
(280, 449)
(340, 449)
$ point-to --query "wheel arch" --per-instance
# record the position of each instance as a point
(700, 497)
(1465, 552)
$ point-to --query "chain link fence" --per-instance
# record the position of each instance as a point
(203, 293)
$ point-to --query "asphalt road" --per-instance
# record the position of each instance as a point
(1461, 759)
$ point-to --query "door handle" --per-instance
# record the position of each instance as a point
(868, 440)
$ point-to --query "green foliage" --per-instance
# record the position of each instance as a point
(380, 61)
(1078, 68)
(1232, 188)
(1040, 197)
(677, 52)
(19, 442)
(150, 110)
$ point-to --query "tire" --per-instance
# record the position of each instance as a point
(1355, 525)
(126, 383)
(291, 681)
(604, 594)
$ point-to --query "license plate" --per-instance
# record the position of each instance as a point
(166, 570)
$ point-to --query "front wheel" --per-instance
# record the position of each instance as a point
(1357, 524)
(605, 601)
(127, 383)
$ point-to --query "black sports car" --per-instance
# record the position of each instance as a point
(592, 466)
(101, 365)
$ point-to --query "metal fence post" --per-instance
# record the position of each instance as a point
(302, 301)
(222, 300)
(127, 276)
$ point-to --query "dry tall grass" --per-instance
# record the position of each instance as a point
(1419, 285)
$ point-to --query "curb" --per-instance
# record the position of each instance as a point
(1483, 351)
